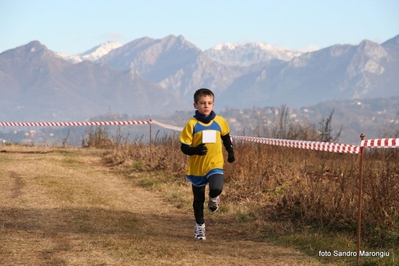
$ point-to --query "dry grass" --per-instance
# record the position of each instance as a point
(306, 198)
(64, 207)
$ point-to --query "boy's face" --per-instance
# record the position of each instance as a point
(204, 105)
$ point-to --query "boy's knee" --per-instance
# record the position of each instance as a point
(199, 198)
(215, 192)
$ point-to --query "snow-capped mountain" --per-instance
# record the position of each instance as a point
(100, 50)
(93, 54)
(248, 54)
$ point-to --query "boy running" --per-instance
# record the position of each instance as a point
(202, 139)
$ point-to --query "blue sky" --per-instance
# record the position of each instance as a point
(77, 26)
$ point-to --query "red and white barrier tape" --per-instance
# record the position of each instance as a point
(301, 144)
(62, 124)
(167, 126)
(311, 145)
(380, 143)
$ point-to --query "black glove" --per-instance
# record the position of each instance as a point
(230, 157)
(200, 150)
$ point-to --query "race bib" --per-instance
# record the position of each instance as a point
(209, 136)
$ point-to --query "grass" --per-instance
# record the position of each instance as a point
(64, 207)
(309, 240)
(300, 198)
(126, 206)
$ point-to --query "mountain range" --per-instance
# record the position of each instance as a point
(159, 76)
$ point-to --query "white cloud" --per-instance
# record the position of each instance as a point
(112, 36)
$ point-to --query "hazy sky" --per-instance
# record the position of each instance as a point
(76, 26)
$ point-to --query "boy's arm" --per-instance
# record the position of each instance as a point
(229, 147)
(186, 141)
(199, 150)
(227, 142)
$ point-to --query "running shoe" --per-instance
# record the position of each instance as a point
(199, 231)
(213, 204)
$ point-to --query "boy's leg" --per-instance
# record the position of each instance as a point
(215, 189)
(215, 185)
(198, 203)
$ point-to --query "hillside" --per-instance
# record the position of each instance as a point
(338, 72)
(377, 118)
(37, 85)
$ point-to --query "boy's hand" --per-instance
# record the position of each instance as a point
(200, 150)
(230, 157)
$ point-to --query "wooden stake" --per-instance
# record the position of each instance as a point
(151, 141)
(359, 209)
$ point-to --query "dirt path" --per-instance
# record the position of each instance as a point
(63, 208)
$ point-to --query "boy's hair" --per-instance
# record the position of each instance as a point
(202, 92)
